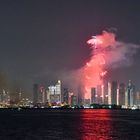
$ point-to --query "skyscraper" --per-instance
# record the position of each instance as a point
(109, 93)
(93, 95)
(122, 94)
(137, 97)
(114, 92)
(65, 97)
(43, 97)
(102, 94)
(73, 100)
(99, 94)
(55, 92)
(130, 94)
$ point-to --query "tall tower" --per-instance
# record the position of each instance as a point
(35, 93)
(114, 92)
(129, 96)
(65, 97)
(93, 96)
(58, 89)
(109, 93)
(55, 92)
(122, 94)
(43, 95)
(73, 100)
(137, 98)
(102, 94)
(99, 94)
(118, 102)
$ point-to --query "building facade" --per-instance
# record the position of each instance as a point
(93, 95)
(130, 94)
(55, 92)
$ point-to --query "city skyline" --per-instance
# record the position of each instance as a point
(69, 69)
(45, 41)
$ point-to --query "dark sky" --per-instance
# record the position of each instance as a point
(41, 38)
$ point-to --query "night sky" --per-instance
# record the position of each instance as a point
(39, 39)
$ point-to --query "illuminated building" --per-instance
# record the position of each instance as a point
(47, 95)
(105, 93)
(55, 93)
(109, 93)
(35, 93)
(73, 100)
(114, 92)
(93, 96)
(102, 94)
(130, 94)
(137, 98)
(80, 96)
(118, 96)
(4, 97)
(70, 97)
(65, 97)
(122, 94)
(42, 95)
(99, 95)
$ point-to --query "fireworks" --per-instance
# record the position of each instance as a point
(94, 71)
(106, 53)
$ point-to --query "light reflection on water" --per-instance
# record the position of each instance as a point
(96, 125)
(87, 124)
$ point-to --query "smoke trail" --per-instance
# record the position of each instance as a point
(106, 53)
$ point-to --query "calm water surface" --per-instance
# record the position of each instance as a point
(70, 125)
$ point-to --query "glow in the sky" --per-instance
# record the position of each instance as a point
(106, 54)
(94, 71)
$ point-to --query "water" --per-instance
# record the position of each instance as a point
(98, 124)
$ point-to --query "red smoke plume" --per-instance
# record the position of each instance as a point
(106, 53)
(94, 69)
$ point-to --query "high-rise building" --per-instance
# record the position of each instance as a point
(99, 94)
(35, 93)
(4, 97)
(58, 89)
(55, 93)
(114, 92)
(43, 97)
(80, 96)
(122, 94)
(47, 95)
(130, 94)
(137, 97)
(93, 95)
(105, 93)
(109, 93)
(65, 97)
(102, 94)
(73, 100)
(70, 97)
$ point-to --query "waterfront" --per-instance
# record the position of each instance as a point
(56, 124)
